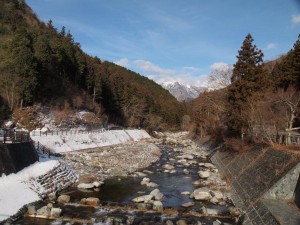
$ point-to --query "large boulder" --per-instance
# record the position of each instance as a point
(85, 186)
(63, 199)
(204, 174)
(157, 194)
(91, 201)
(152, 185)
(201, 194)
(143, 198)
(55, 212)
(44, 211)
(157, 205)
(145, 181)
(31, 210)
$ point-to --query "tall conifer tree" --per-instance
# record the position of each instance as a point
(247, 81)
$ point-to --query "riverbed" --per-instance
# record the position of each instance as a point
(176, 175)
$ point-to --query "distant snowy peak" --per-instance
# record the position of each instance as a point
(183, 92)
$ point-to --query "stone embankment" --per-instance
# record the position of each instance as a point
(55, 180)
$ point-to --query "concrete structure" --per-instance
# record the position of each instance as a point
(16, 156)
(262, 180)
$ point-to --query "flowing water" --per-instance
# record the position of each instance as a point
(116, 195)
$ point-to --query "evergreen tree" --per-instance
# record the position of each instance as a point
(247, 81)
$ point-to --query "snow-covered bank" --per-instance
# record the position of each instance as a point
(64, 143)
(17, 190)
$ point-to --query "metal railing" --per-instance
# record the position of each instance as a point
(65, 132)
(13, 136)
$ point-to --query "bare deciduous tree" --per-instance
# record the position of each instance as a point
(220, 76)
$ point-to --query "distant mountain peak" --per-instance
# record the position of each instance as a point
(183, 92)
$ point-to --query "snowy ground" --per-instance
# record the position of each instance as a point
(67, 142)
(16, 190)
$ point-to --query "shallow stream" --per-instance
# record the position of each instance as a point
(116, 195)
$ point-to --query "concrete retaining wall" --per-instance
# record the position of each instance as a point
(251, 175)
(14, 157)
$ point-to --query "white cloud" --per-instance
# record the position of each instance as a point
(296, 19)
(191, 68)
(148, 67)
(219, 66)
(186, 75)
(123, 62)
(270, 46)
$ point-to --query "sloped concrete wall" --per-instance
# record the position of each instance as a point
(251, 175)
(14, 157)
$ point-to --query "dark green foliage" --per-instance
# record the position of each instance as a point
(287, 71)
(40, 64)
(247, 81)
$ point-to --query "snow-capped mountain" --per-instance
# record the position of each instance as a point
(183, 92)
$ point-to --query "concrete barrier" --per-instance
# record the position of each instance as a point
(16, 156)
(255, 175)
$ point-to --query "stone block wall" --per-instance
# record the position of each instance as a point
(251, 175)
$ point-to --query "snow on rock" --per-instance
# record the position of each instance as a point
(64, 143)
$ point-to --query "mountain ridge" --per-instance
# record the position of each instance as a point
(183, 92)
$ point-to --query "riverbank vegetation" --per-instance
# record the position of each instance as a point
(260, 103)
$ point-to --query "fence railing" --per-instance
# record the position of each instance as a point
(13, 136)
(41, 149)
(65, 132)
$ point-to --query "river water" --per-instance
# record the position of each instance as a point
(116, 195)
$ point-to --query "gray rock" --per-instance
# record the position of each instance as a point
(55, 212)
(204, 174)
(31, 210)
(169, 222)
(185, 171)
(186, 156)
(85, 186)
(63, 199)
(168, 167)
(157, 194)
(152, 185)
(143, 198)
(50, 205)
(140, 174)
(236, 212)
(181, 222)
(91, 201)
(188, 204)
(44, 211)
(201, 194)
(217, 222)
(52, 196)
(217, 194)
(97, 184)
(144, 206)
(157, 205)
(145, 181)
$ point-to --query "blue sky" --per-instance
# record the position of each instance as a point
(174, 40)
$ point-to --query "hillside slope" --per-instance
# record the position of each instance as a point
(40, 64)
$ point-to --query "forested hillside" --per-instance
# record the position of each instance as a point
(262, 100)
(39, 64)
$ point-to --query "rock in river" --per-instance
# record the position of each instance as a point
(201, 194)
(157, 194)
(144, 198)
(204, 174)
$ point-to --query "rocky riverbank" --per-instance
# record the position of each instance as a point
(180, 187)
